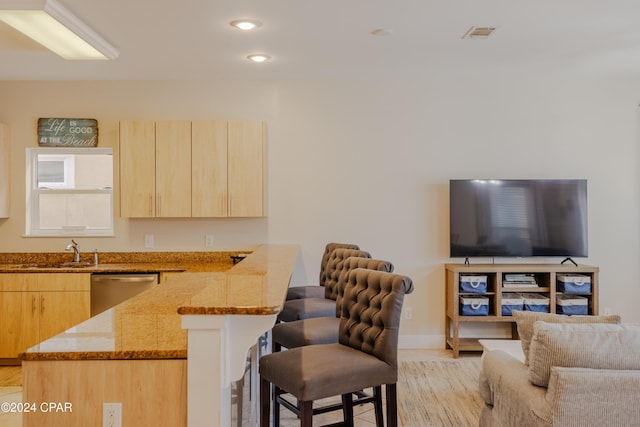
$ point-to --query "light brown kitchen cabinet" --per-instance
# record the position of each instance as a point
(5, 162)
(245, 144)
(137, 168)
(173, 168)
(227, 168)
(218, 173)
(37, 306)
(155, 168)
(209, 168)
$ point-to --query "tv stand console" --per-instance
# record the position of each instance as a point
(545, 275)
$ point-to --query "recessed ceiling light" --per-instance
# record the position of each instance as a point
(258, 57)
(478, 32)
(381, 32)
(246, 24)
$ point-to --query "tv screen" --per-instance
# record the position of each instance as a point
(518, 218)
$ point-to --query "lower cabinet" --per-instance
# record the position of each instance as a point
(37, 306)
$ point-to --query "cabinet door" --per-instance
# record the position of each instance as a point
(4, 172)
(245, 168)
(209, 168)
(173, 168)
(63, 301)
(18, 322)
(61, 310)
(137, 169)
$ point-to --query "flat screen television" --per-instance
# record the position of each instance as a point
(518, 218)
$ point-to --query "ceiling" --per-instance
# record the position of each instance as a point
(192, 39)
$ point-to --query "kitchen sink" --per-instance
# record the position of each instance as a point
(56, 265)
(78, 264)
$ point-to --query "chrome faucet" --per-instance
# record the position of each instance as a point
(76, 250)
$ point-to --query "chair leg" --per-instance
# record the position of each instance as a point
(276, 405)
(265, 402)
(306, 413)
(392, 406)
(347, 409)
(377, 405)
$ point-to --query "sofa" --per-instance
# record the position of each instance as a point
(577, 371)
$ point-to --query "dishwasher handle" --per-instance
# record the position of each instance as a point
(124, 279)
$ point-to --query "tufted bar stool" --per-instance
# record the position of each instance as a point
(326, 306)
(365, 356)
(315, 291)
(323, 330)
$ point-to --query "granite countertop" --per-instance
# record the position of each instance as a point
(149, 325)
(119, 262)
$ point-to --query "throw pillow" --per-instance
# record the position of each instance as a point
(526, 319)
(594, 346)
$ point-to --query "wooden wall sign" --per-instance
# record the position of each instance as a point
(67, 132)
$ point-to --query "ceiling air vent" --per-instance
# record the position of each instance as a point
(478, 32)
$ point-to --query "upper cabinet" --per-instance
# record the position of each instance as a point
(137, 169)
(173, 169)
(227, 168)
(245, 173)
(205, 168)
(4, 171)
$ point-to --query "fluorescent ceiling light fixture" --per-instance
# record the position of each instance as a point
(56, 28)
(258, 57)
(246, 24)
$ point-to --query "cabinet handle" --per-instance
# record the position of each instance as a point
(42, 304)
(33, 304)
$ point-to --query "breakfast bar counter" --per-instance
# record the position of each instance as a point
(153, 353)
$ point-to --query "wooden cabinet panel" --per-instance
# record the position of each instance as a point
(18, 322)
(4, 172)
(137, 169)
(34, 307)
(173, 168)
(209, 168)
(152, 392)
(62, 310)
(245, 168)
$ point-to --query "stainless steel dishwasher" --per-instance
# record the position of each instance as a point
(108, 290)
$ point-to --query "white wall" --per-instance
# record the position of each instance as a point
(369, 162)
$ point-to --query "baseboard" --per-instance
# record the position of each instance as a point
(421, 341)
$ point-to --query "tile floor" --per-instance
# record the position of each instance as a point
(11, 392)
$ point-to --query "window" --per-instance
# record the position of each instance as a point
(69, 192)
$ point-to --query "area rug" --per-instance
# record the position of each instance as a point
(439, 393)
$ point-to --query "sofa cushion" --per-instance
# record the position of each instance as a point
(526, 319)
(594, 346)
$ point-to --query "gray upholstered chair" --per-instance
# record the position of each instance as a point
(323, 330)
(315, 291)
(365, 356)
(326, 306)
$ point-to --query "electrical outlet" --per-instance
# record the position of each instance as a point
(408, 313)
(148, 241)
(208, 240)
(112, 414)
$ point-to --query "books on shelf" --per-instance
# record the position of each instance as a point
(519, 280)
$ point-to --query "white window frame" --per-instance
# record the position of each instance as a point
(33, 193)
